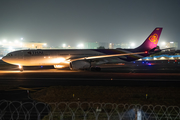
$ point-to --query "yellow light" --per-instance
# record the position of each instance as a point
(58, 66)
(162, 58)
(20, 66)
(58, 60)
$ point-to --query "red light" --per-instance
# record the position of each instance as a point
(146, 52)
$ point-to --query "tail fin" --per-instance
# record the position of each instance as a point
(151, 41)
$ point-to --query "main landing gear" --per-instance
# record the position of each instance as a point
(95, 69)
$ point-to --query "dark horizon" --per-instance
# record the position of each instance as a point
(118, 21)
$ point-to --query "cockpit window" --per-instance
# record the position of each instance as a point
(9, 55)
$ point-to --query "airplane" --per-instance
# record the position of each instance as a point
(83, 59)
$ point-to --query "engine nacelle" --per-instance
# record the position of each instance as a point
(80, 65)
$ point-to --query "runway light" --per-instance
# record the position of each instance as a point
(149, 64)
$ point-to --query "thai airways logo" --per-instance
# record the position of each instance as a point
(154, 38)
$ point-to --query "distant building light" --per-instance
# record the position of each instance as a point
(80, 45)
(44, 44)
(16, 41)
(132, 44)
(172, 58)
(21, 38)
(162, 58)
(4, 40)
(64, 45)
(171, 42)
(163, 43)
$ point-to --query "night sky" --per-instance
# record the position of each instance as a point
(75, 21)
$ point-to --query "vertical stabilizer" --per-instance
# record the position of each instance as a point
(151, 42)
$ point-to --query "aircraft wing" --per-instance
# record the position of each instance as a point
(105, 56)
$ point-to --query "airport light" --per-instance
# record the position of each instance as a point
(162, 58)
(21, 38)
(44, 44)
(80, 46)
(16, 41)
(132, 44)
(63, 45)
(163, 43)
(171, 42)
(11, 49)
(4, 41)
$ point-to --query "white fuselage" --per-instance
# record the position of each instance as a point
(52, 57)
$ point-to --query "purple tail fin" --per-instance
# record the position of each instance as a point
(151, 41)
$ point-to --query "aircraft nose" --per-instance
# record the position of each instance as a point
(5, 59)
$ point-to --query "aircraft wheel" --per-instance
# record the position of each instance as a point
(95, 69)
(21, 68)
(98, 69)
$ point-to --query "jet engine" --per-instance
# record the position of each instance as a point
(80, 65)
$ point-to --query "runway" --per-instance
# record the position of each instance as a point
(110, 75)
(53, 77)
(15, 84)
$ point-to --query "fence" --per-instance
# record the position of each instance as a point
(85, 111)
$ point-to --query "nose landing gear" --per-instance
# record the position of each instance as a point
(21, 68)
